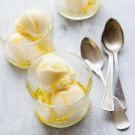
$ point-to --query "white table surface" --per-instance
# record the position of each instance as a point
(16, 113)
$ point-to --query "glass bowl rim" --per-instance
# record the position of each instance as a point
(90, 80)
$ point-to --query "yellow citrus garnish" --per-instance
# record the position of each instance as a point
(87, 7)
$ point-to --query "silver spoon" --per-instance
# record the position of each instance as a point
(119, 116)
(113, 40)
(107, 101)
(91, 52)
(118, 113)
(93, 57)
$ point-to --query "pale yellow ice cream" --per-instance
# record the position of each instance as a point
(59, 92)
(79, 6)
(54, 74)
(17, 38)
(68, 97)
(22, 49)
(30, 38)
(76, 5)
(33, 24)
(57, 87)
(56, 77)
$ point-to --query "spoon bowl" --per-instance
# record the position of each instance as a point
(90, 51)
(92, 55)
(113, 37)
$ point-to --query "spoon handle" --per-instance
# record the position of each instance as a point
(119, 116)
(107, 101)
(118, 87)
(97, 71)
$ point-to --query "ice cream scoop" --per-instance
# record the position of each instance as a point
(17, 38)
(69, 96)
(54, 74)
(33, 24)
(19, 50)
(63, 99)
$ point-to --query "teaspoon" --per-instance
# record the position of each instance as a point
(113, 39)
(91, 52)
(119, 116)
(93, 57)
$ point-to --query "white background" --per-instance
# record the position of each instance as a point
(16, 113)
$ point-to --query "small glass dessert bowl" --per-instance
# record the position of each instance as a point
(30, 38)
(60, 85)
(77, 9)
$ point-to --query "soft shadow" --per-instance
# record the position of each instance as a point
(17, 70)
(107, 116)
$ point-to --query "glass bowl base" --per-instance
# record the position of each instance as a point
(41, 119)
(78, 17)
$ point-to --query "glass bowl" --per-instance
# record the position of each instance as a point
(77, 9)
(61, 116)
(22, 54)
